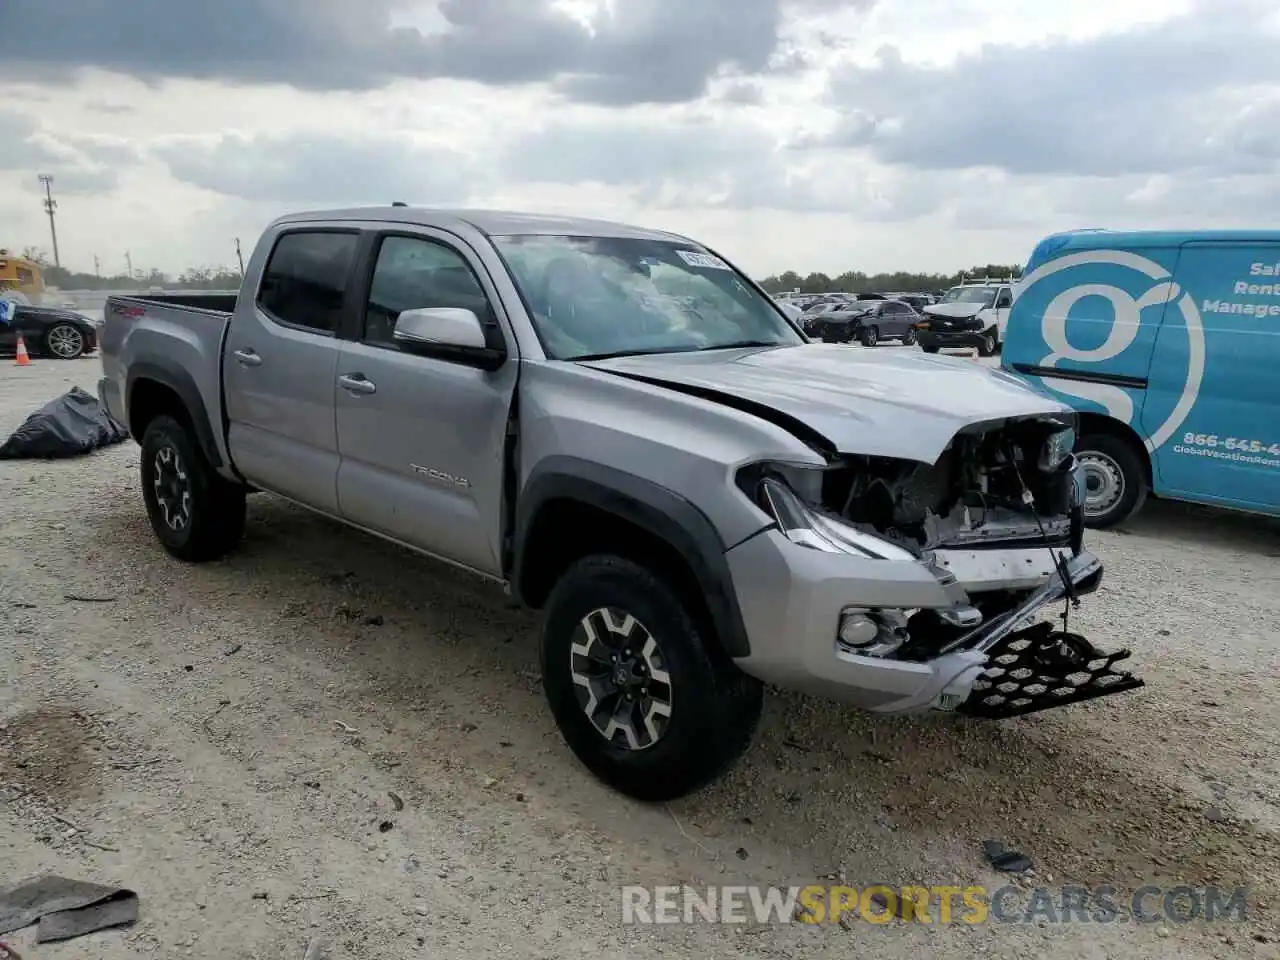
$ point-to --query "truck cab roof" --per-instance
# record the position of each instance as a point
(488, 222)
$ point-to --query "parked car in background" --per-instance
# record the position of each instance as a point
(49, 331)
(867, 321)
(1167, 346)
(972, 314)
(917, 301)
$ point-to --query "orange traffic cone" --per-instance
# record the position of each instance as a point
(23, 359)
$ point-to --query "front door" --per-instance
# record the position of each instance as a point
(421, 439)
(281, 362)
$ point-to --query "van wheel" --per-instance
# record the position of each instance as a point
(989, 344)
(643, 699)
(195, 513)
(1115, 479)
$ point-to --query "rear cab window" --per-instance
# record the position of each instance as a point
(304, 284)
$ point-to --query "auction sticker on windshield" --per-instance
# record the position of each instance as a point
(706, 260)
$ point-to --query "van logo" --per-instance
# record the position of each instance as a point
(1154, 287)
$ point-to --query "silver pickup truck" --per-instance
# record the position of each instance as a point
(624, 431)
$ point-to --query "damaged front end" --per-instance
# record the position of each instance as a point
(997, 522)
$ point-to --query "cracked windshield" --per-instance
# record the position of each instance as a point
(593, 297)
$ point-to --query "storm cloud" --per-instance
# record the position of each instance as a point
(640, 51)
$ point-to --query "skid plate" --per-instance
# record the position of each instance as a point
(1039, 668)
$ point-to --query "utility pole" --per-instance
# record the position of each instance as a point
(96, 272)
(129, 262)
(240, 257)
(50, 205)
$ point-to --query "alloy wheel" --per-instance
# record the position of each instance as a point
(620, 678)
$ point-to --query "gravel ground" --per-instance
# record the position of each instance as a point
(235, 742)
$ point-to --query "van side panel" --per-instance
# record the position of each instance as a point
(1084, 323)
(1214, 378)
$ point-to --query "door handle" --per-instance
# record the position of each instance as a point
(356, 383)
(247, 358)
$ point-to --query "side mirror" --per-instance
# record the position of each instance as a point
(439, 327)
(447, 333)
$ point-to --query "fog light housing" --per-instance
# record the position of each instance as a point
(857, 629)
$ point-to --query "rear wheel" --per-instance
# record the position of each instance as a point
(64, 342)
(641, 696)
(1115, 479)
(195, 513)
(870, 336)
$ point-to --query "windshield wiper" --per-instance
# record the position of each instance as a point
(623, 353)
(742, 343)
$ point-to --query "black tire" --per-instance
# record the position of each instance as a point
(214, 509)
(990, 344)
(1106, 458)
(63, 341)
(870, 336)
(714, 706)
(909, 338)
(930, 349)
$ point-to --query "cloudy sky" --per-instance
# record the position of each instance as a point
(808, 134)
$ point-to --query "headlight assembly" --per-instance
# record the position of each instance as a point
(808, 528)
(1057, 448)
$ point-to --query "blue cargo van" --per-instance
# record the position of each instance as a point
(1168, 346)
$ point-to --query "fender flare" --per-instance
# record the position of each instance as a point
(648, 505)
(181, 383)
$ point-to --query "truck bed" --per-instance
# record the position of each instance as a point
(174, 339)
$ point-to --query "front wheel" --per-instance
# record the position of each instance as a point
(64, 342)
(870, 336)
(909, 338)
(930, 349)
(195, 513)
(989, 343)
(643, 699)
(1114, 477)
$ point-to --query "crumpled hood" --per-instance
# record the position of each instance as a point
(887, 403)
(956, 309)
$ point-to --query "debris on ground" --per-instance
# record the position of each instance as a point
(69, 426)
(65, 908)
(1004, 859)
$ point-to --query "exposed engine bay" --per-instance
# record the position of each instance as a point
(998, 520)
(1004, 486)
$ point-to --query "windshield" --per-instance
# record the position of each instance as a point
(608, 296)
(983, 295)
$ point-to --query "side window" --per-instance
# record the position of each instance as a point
(412, 274)
(1004, 298)
(304, 283)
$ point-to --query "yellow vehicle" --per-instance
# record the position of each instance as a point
(22, 276)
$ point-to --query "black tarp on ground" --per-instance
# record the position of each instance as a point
(72, 425)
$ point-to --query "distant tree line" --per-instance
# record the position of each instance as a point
(902, 281)
(193, 278)
(222, 278)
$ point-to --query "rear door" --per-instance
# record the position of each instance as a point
(1213, 411)
(279, 370)
(422, 439)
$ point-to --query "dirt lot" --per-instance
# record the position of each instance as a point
(228, 740)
